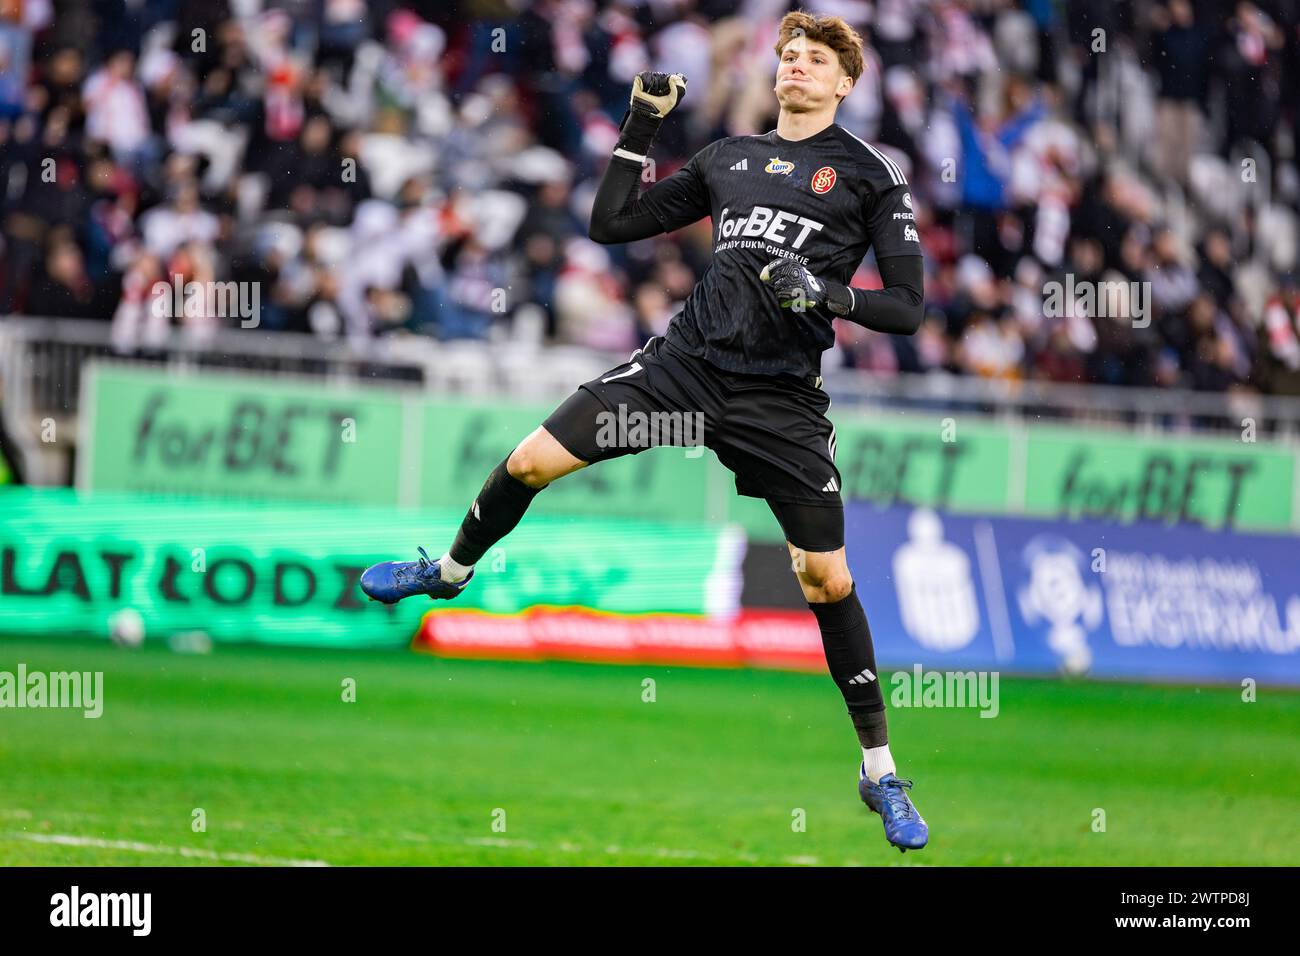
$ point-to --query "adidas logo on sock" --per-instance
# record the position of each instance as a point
(477, 516)
(742, 165)
(866, 677)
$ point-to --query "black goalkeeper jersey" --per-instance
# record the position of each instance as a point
(823, 201)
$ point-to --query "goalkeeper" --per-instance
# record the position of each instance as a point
(794, 211)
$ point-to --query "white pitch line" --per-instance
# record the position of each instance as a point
(498, 843)
(63, 839)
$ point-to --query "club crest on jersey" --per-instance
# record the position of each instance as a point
(822, 180)
(907, 200)
(778, 167)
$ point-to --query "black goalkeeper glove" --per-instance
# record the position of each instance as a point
(657, 94)
(654, 96)
(799, 290)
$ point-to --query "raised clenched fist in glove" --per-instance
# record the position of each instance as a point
(656, 94)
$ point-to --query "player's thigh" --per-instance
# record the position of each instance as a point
(815, 538)
(647, 402)
(817, 529)
(780, 445)
(569, 438)
(583, 430)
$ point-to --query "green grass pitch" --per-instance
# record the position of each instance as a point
(581, 770)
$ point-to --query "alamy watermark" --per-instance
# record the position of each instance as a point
(1116, 300)
(638, 429)
(220, 300)
(75, 690)
(130, 910)
(919, 688)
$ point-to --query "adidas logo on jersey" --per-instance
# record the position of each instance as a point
(742, 165)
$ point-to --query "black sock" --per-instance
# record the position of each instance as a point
(846, 638)
(871, 727)
(493, 515)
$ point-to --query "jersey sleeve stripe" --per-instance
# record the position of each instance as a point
(891, 167)
(894, 169)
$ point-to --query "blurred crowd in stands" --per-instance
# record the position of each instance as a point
(384, 168)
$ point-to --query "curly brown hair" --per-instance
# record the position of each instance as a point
(832, 31)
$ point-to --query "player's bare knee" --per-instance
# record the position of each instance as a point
(827, 588)
(539, 459)
(524, 465)
(824, 578)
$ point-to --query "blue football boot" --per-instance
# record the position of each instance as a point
(393, 580)
(904, 827)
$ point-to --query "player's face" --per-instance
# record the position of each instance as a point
(809, 77)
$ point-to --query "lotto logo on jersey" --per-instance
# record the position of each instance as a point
(770, 224)
(778, 167)
(823, 180)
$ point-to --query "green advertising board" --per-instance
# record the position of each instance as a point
(287, 573)
(239, 436)
(923, 460)
(1215, 483)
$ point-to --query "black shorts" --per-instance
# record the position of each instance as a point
(770, 431)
